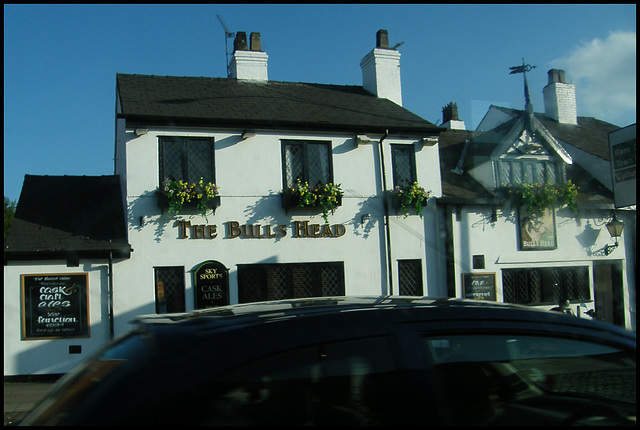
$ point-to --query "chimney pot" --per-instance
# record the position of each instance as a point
(248, 64)
(450, 112)
(382, 39)
(556, 75)
(255, 42)
(240, 42)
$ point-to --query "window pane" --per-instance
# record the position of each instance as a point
(546, 285)
(551, 173)
(539, 173)
(318, 164)
(172, 160)
(200, 160)
(402, 158)
(516, 173)
(528, 173)
(341, 383)
(504, 375)
(505, 173)
(169, 289)
(286, 281)
(293, 164)
(410, 277)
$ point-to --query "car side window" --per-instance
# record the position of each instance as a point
(334, 383)
(495, 379)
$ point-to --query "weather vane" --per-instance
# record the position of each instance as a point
(524, 68)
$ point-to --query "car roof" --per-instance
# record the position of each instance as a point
(308, 306)
(396, 309)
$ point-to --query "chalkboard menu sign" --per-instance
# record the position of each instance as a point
(211, 285)
(55, 306)
(479, 286)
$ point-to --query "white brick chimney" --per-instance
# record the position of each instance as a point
(248, 64)
(381, 70)
(560, 98)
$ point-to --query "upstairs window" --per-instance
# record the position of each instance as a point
(307, 161)
(403, 159)
(527, 171)
(186, 159)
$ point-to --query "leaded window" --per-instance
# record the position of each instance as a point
(169, 289)
(546, 285)
(265, 282)
(306, 161)
(404, 165)
(410, 277)
(526, 171)
(187, 159)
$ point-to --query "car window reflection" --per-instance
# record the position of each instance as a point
(506, 376)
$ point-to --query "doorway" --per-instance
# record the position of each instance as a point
(609, 294)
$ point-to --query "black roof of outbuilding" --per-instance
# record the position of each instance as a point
(68, 217)
(224, 102)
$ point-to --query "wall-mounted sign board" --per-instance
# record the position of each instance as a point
(211, 285)
(479, 286)
(55, 306)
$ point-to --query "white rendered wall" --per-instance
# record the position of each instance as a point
(51, 356)
(249, 174)
(475, 234)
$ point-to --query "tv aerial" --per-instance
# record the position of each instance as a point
(227, 35)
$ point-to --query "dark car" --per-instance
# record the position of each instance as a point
(354, 361)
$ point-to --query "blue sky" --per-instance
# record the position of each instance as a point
(60, 62)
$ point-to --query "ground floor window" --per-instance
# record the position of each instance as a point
(262, 282)
(169, 289)
(410, 278)
(545, 285)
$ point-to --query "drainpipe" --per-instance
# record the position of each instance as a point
(386, 214)
(110, 295)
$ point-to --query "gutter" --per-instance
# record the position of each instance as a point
(387, 203)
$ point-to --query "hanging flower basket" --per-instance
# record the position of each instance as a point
(537, 197)
(410, 196)
(180, 195)
(326, 197)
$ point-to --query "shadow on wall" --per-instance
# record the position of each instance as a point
(41, 358)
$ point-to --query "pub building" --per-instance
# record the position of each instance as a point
(294, 190)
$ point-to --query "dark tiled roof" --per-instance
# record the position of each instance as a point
(149, 99)
(590, 135)
(461, 187)
(67, 216)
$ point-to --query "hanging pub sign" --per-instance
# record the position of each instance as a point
(55, 306)
(211, 285)
(479, 286)
(537, 230)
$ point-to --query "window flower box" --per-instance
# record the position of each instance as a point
(325, 197)
(537, 197)
(410, 196)
(178, 196)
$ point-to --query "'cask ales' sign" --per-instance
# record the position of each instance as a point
(211, 284)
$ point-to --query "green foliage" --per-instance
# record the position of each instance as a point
(179, 192)
(536, 197)
(327, 197)
(9, 212)
(412, 196)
